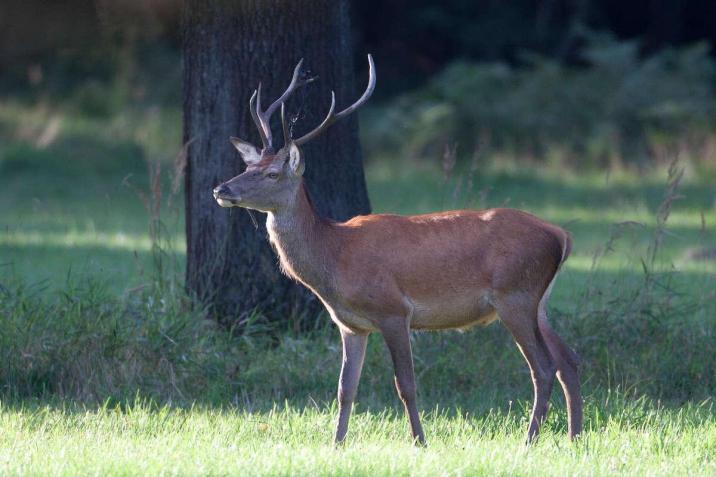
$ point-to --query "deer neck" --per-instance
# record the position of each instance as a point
(302, 240)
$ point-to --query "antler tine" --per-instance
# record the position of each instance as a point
(264, 118)
(253, 107)
(366, 94)
(284, 125)
(331, 117)
(293, 85)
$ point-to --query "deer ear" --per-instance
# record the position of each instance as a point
(248, 152)
(295, 160)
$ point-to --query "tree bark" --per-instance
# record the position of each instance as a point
(228, 48)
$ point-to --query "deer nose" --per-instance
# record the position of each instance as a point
(222, 190)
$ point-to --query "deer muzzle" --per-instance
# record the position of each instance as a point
(225, 197)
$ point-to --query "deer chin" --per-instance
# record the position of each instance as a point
(227, 202)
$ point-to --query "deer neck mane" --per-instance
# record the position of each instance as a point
(302, 240)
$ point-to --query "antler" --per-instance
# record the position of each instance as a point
(284, 126)
(331, 117)
(263, 119)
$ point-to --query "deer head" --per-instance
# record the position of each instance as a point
(272, 179)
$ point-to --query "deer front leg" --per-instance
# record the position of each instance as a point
(353, 354)
(396, 333)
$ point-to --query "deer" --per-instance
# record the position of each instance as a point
(390, 274)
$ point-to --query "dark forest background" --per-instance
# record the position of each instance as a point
(412, 39)
(572, 81)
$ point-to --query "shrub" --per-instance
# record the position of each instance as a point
(617, 108)
(84, 343)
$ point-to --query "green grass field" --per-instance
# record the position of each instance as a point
(104, 373)
(141, 440)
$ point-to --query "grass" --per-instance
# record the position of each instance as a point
(142, 439)
(103, 372)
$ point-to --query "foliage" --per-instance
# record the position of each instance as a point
(616, 108)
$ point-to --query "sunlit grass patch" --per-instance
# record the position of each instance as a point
(141, 439)
(72, 239)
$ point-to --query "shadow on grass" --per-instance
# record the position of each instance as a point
(417, 192)
(54, 265)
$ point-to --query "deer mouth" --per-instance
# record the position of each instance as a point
(225, 200)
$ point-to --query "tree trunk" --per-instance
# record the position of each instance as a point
(228, 48)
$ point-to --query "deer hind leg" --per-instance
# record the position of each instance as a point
(353, 354)
(521, 321)
(567, 363)
(396, 333)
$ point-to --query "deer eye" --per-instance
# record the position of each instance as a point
(272, 175)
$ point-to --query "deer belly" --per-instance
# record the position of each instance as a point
(346, 318)
(451, 312)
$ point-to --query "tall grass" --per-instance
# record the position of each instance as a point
(646, 317)
(84, 343)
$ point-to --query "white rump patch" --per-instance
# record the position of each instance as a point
(487, 216)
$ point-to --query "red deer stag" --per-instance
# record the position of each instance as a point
(391, 273)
